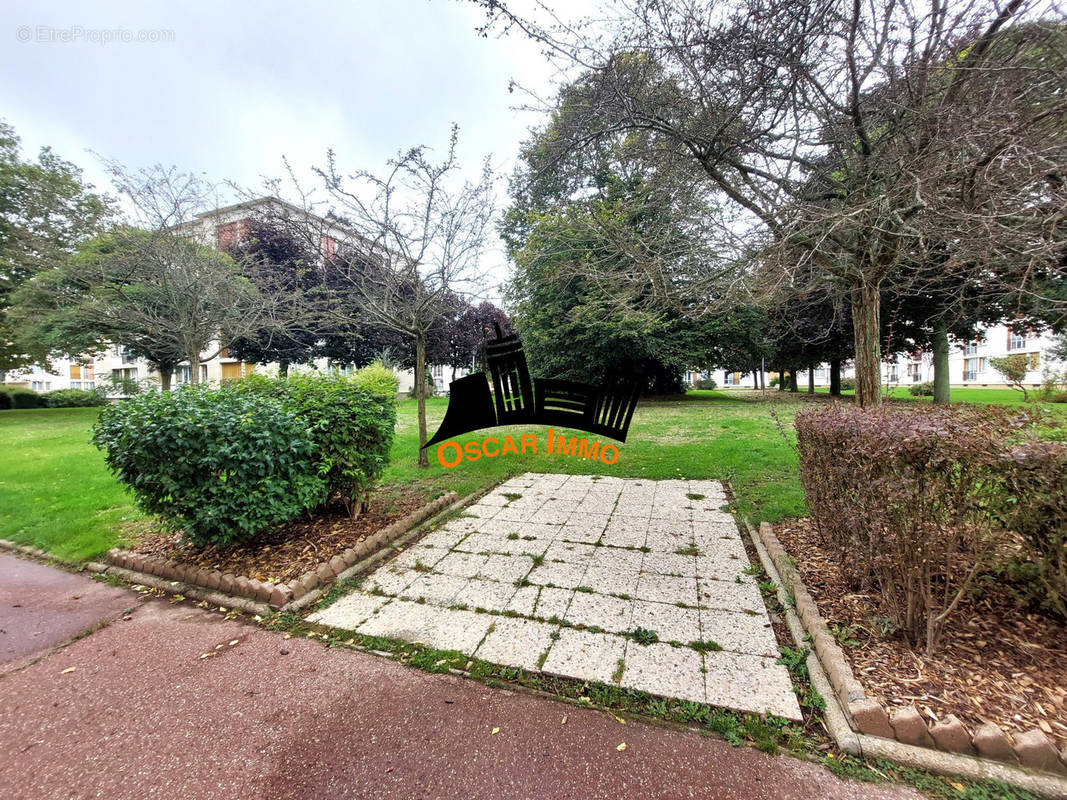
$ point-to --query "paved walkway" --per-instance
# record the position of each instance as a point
(41, 608)
(574, 575)
(142, 714)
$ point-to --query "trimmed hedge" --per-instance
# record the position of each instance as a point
(20, 397)
(219, 465)
(74, 398)
(906, 498)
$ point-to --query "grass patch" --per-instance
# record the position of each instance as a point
(691, 550)
(706, 646)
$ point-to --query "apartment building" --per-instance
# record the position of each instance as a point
(969, 363)
(220, 229)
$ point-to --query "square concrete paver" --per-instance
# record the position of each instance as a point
(506, 569)
(743, 633)
(517, 642)
(584, 655)
(553, 602)
(601, 611)
(730, 596)
(749, 683)
(670, 623)
(487, 595)
(434, 588)
(349, 611)
(609, 555)
(442, 628)
(664, 670)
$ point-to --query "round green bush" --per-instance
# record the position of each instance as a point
(848, 384)
(921, 389)
(351, 427)
(705, 383)
(218, 464)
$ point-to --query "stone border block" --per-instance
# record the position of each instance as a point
(910, 727)
(871, 718)
(1035, 750)
(991, 742)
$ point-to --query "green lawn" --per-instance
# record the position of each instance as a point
(56, 493)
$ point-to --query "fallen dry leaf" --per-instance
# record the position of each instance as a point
(564, 722)
(621, 746)
(234, 642)
(68, 669)
(620, 720)
(495, 732)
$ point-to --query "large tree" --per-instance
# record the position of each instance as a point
(46, 210)
(165, 298)
(844, 129)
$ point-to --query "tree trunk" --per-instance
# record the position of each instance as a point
(835, 377)
(194, 368)
(941, 369)
(866, 326)
(283, 369)
(755, 380)
(762, 380)
(420, 393)
(781, 380)
(811, 379)
(453, 373)
(164, 378)
(793, 381)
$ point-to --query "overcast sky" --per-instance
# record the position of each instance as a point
(232, 86)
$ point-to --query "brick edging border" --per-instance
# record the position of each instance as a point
(276, 595)
(868, 716)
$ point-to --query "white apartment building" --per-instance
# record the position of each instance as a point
(219, 229)
(968, 363)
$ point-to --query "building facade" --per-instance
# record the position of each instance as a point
(219, 229)
(969, 364)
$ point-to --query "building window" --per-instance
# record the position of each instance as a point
(75, 384)
(438, 371)
(1016, 341)
(972, 347)
(41, 386)
(182, 374)
(894, 376)
(89, 385)
(972, 367)
(915, 372)
(203, 373)
(128, 374)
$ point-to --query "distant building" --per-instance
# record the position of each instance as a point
(968, 364)
(219, 229)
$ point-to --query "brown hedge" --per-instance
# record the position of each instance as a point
(908, 499)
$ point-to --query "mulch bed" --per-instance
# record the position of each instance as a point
(286, 552)
(999, 661)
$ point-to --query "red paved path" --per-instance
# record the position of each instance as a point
(41, 607)
(142, 715)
